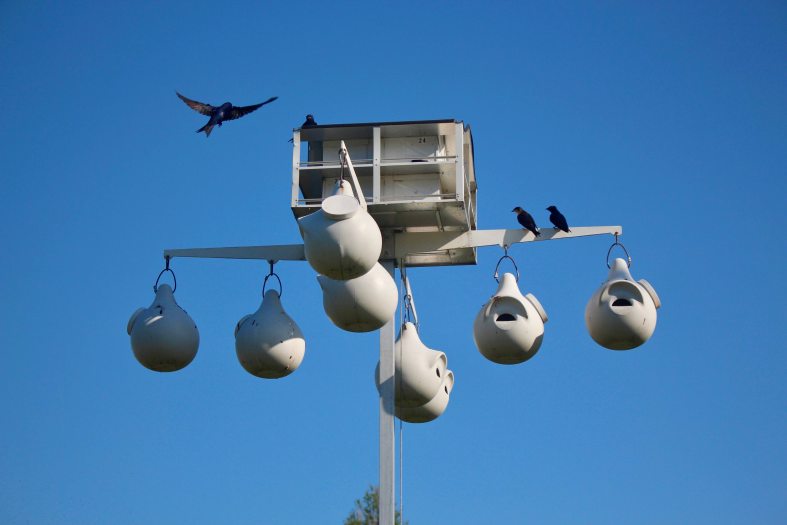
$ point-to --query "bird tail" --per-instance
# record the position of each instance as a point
(207, 128)
(536, 233)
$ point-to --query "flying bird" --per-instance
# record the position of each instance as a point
(557, 218)
(526, 220)
(309, 122)
(219, 114)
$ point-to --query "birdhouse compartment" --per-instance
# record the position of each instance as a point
(414, 175)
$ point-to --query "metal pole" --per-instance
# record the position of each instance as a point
(387, 436)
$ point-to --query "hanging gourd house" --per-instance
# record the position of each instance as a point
(415, 176)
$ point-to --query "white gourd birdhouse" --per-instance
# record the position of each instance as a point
(164, 337)
(341, 240)
(268, 342)
(419, 370)
(362, 304)
(434, 408)
(509, 328)
(621, 315)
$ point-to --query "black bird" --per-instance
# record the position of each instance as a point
(309, 122)
(526, 220)
(556, 218)
(221, 113)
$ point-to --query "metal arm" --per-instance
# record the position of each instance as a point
(406, 243)
(356, 185)
(281, 252)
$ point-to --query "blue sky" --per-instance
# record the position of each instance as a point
(668, 119)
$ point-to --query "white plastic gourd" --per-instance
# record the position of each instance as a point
(164, 337)
(509, 328)
(268, 343)
(419, 370)
(341, 240)
(434, 408)
(362, 304)
(621, 314)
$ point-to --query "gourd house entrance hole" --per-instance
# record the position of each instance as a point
(621, 302)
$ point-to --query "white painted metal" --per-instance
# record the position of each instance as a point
(387, 437)
(354, 177)
(414, 173)
(164, 337)
(376, 149)
(460, 164)
(509, 328)
(362, 304)
(409, 243)
(419, 369)
(621, 315)
(281, 252)
(268, 343)
(296, 165)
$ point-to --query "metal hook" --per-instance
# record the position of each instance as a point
(342, 163)
(616, 243)
(410, 313)
(272, 274)
(166, 269)
(506, 256)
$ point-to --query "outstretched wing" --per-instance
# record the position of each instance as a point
(238, 112)
(205, 109)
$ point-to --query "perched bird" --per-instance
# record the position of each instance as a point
(556, 218)
(309, 122)
(526, 220)
(221, 113)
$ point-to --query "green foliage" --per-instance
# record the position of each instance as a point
(367, 510)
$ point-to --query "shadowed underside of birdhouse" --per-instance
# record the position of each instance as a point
(416, 176)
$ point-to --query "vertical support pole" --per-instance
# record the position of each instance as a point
(296, 166)
(376, 156)
(459, 139)
(387, 435)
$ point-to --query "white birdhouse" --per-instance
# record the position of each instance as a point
(415, 176)
(362, 304)
(341, 240)
(164, 338)
(419, 370)
(509, 328)
(268, 342)
(621, 315)
(432, 409)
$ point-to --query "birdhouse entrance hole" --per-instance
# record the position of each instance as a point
(621, 302)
